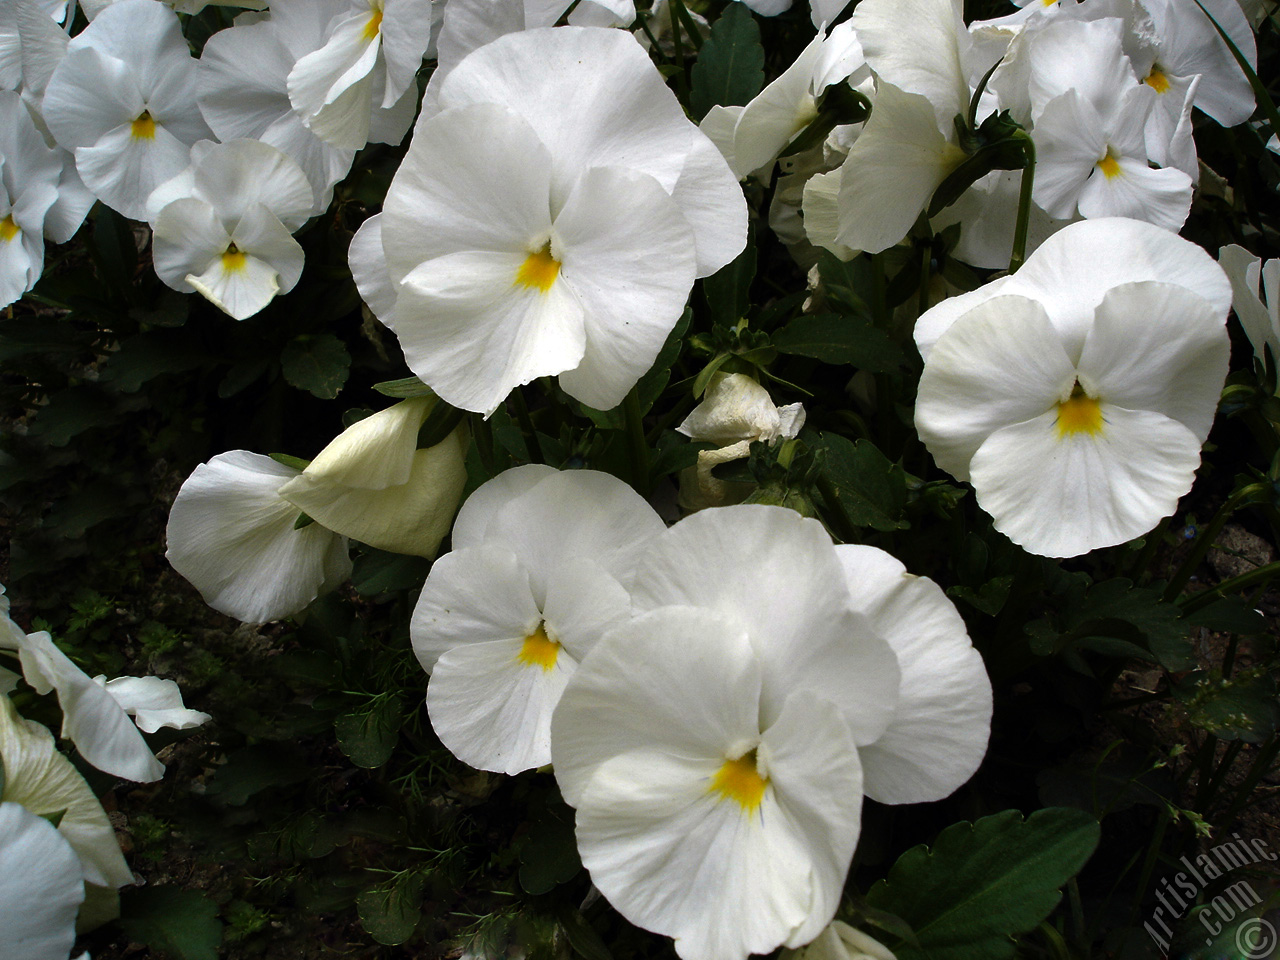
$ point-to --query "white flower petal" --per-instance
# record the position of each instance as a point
(492, 710)
(233, 537)
(1001, 363)
(474, 595)
(472, 524)
(775, 575)
(611, 220)
(1061, 496)
(41, 887)
(1175, 367)
(368, 265)
(153, 703)
(939, 732)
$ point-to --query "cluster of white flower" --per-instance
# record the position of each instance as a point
(718, 696)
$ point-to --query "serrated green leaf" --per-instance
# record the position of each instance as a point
(316, 363)
(391, 911)
(368, 736)
(837, 338)
(983, 883)
(871, 490)
(989, 598)
(730, 67)
(181, 924)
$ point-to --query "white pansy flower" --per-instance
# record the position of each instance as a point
(41, 887)
(373, 484)
(29, 176)
(223, 226)
(123, 99)
(369, 60)
(1075, 394)
(514, 231)
(1255, 297)
(153, 703)
(539, 568)
(704, 812)
(236, 540)
(94, 7)
(243, 90)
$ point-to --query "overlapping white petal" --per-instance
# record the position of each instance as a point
(1251, 282)
(234, 538)
(696, 818)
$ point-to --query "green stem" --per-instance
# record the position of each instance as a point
(1149, 862)
(1208, 789)
(1019, 254)
(1206, 538)
(1190, 604)
(686, 21)
(480, 431)
(682, 74)
(636, 441)
(654, 48)
(1148, 551)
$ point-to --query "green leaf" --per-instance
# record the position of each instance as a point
(989, 598)
(284, 459)
(730, 67)
(403, 389)
(148, 355)
(1229, 615)
(368, 736)
(870, 490)
(985, 882)
(549, 854)
(377, 572)
(728, 290)
(1244, 707)
(70, 413)
(182, 924)
(391, 911)
(256, 768)
(836, 338)
(316, 363)
(582, 937)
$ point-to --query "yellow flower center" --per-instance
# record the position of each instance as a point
(1157, 81)
(1109, 165)
(144, 128)
(1079, 413)
(740, 781)
(233, 260)
(9, 229)
(539, 270)
(374, 26)
(539, 650)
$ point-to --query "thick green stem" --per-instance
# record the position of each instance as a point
(1019, 254)
(526, 427)
(681, 12)
(636, 442)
